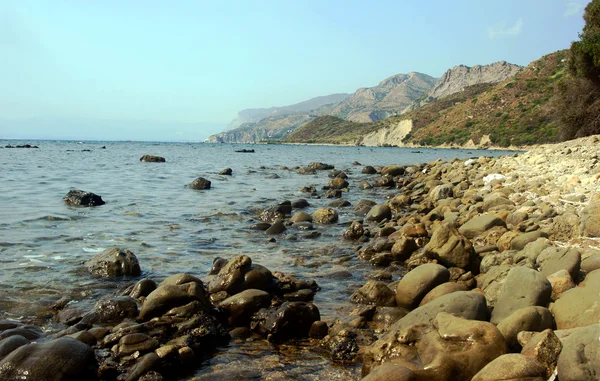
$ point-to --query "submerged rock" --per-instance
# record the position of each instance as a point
(152, 159)
(200, 183)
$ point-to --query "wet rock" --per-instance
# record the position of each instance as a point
(318, 330)
(290, 320)
(81, 198)
(226, 172)
(300, 204)
(231, 277)
(590, 220)
(60, 359)
(324, 216)
(143, 288)
(114, 262)
(143, 366)
(392, 170)
(338, 183)
(441, 290)
(522, 287)
(368, 170)
(200, 183)
(10, 343)
(391, 372)
(260, 226)
(306, 171)
(301, 217)
(135, 342)
(403, 248)
(243, 305)
(112, 310)
(30, 332)
(531, 318)
(276, 228)
(384, 317)
(339, 203)
(579, 306)
(355, 231)
(417, 283)
(514, 367)
(578, 360)
(379, 213)
(375, 293)
(451, 249)
(168, 296)
(343, 347)
(479, 224)
(152, 159)
(320, 166)
(554, 259)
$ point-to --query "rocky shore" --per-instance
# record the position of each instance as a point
(484, 269)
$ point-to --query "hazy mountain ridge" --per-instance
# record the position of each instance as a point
(516, 111)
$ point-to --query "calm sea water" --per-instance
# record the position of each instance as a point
(150, 211)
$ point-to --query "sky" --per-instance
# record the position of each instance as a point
(181, 70)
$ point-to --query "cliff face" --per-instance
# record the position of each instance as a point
(461, 76)
(270, 128)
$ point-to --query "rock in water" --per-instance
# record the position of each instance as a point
(62, 359)
(292, 319)
(152, 159)
(114, 262)
(200, 183)
(81, 198)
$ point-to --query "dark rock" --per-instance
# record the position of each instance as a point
(392, 170)
(369, 170)
(152, 159)
(243, 305)
(339, 203)
(276, 228)
(375, 293)
(169, 296)
(318, 330)
(143, 288)
(112, 310)
(300, 204)
(343, 347)
(320, 166)
(81, 198)
(10, 343)
(226, 172)
(114, 262)
(200, 183)
(333, 193)
(292, 319)
(30, 332)
(379, 213)
(338, 183)
(56, 360)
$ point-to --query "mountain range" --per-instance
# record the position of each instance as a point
(391, 97)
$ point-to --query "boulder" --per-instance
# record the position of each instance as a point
(337, 183)
(10, 343)
(368, 170)
(152, 159)
(114, 262)
(417, 283)
(62, 359)
(565, 227)
(590, 220)
(451, 249)
(522, 287)
(579, 359)
(447, 348)
(169, 296)
(403, 248)
(301, 217)
(532, 318)
(81, 198)
(290, 320)
(579, 306)
(520, 241)
(561, 281)
(554, 259)
(276, 228)
(243, 305)
(479, 224)
(320, 166)
(230, 277)
(545, 347)
(441, 192)
(324, 216)
(379, 213)
(226, 172)
(495, 199)
(112, 311)
(392, 170)
(354, 231)
(200, 183)
(441, 290)
(513, 367)
(375, 293)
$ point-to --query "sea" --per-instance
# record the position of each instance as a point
(172, 229)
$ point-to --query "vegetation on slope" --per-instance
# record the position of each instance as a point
(516, 111)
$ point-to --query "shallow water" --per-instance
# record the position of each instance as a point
(171, 228)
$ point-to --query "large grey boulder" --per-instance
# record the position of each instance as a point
(418, 282)
(479, 224)
(532, 318)
(114, 262)
(523, 287)
(63, 359)
(579, 306)
(554, 259)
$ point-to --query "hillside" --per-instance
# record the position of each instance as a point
(389, 97)
(515, 111)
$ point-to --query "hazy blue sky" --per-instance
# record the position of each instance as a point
(89, 69)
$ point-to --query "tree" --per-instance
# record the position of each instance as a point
(578, 98)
